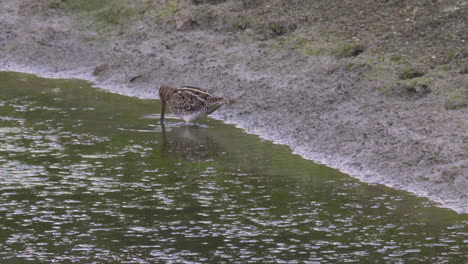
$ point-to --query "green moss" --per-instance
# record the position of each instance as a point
(348, 50)
(446, 68)
(53, 4)
(409, 73)
(170, 8)
(383, 88)
(303, 42)
(450, 55)
(314, 43)
(398, 58)
(378, 70)
(112, 12)
(89, 5)
(422, 81)
(458, 99)
(277, 28)
(316, 51)
(241, 24)
(115, 14)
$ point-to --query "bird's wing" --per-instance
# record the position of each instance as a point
(194, 98)
(196, 91)
(190, 99)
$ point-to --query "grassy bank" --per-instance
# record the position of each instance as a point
(409, 50)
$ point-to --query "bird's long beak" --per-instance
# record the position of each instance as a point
(163, 109)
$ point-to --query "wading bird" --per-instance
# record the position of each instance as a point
(188, 103)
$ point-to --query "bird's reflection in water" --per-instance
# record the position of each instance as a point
(190, 143)
(207, 144)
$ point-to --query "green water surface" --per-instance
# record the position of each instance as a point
(88, 176)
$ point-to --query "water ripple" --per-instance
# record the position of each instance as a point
(76, 187)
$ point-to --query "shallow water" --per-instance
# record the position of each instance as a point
(91, 177)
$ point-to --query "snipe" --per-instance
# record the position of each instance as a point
(189, 103)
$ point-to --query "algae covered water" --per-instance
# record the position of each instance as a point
(88, 176)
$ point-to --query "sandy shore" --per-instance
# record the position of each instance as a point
(323, 106)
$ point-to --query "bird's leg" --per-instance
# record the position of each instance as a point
(163, 110)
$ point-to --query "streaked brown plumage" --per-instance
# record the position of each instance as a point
(189, 103)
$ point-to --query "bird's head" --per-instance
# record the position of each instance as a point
(165, 92)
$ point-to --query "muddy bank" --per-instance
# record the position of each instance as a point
(367, 103)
